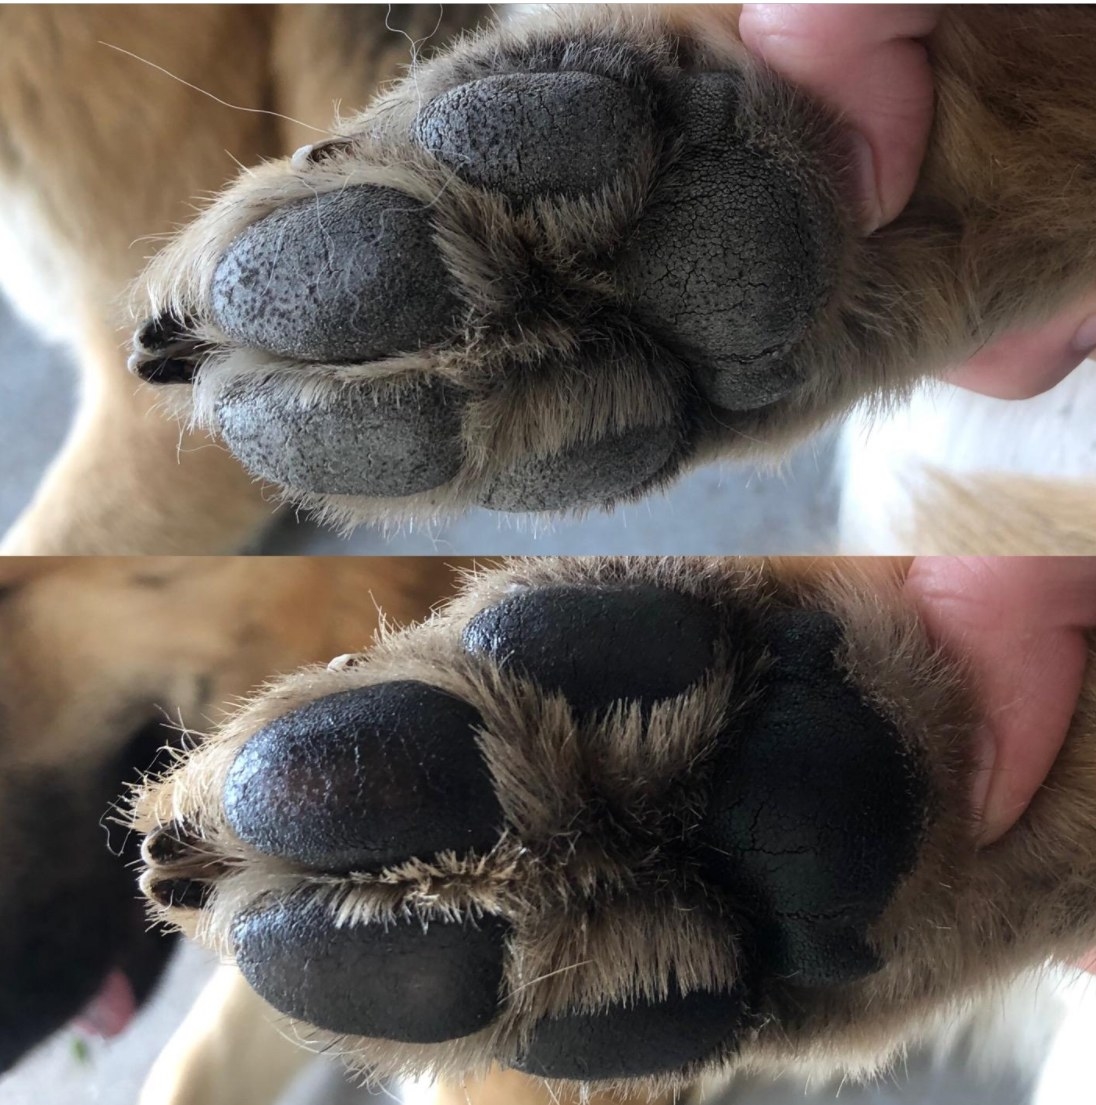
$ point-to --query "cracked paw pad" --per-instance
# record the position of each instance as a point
(365, 778)
(345, 276)
(726, 262)
(400, 981)
(352, 443)
(585, 474)
(532, 134)
(590, 197)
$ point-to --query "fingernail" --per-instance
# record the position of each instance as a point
(1084, 341)
(985, 757)
(871, 209)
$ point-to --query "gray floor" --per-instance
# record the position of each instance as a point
(722, 509)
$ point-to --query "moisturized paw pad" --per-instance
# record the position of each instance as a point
(815, 810)
(351, 443)
(645, 823)
(365, 778)
(397, 981)
(531, 134)
(643, 1037)
(600, 645)
(345, 276)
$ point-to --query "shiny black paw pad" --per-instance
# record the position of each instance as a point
(365, 778)
(785, 831)
(398, 981)
(600, 645)
(635, 1040)
(815, 810)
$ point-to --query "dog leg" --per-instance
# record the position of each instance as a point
(230, 1050)
(510, 1087)
(101, 155)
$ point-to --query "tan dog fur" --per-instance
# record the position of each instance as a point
(103, 157)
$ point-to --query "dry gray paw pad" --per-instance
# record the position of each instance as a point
(725, 267)
(813, 815)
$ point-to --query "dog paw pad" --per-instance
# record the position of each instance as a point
(397, 981)
(778, 821)
(345, 276)
(727, 261)
(585, 474)
(644, 1037)
(365, 778)
(530, 134)
(597, 646)
(352, 443)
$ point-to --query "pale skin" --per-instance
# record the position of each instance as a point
(1021, 621)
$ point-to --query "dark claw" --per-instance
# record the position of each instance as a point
(165, 352)
(163, 372)
(179, 893)
(167, 845)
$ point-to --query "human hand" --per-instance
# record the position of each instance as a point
(870, 64)
(1021, 622)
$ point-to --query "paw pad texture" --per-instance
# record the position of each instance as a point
(353, 444)
(643, 1038)
(815, 808)
(346, 276)
(585, 474)
(365, 778)
(726, 262)
(400, 981)
(528, 134)
(597, 646)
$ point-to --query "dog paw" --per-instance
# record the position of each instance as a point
(547, 272)
(616, 822)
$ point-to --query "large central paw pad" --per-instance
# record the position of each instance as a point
(537, 277)
(604, 830)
